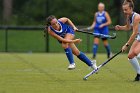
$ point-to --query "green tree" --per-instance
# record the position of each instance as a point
(81, 12)
(7, 10)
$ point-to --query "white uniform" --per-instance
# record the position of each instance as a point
(132, 22)
(138, 36)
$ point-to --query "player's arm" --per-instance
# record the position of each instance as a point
(108, 20)
(68, 21)
(93, 24)
(62, 39)
(125, 27)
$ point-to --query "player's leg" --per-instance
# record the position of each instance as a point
(68, 51)
(138, 38)
(134, 51)
(107, 47)
(82, 56)
(96, 41)
(105, 31)
(95, 46)
(138, 56)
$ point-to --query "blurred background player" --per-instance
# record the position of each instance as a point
(63, 30)
(133, 21)
(100, 24)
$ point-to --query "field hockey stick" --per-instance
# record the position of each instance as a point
(99, 35)
(101, 65)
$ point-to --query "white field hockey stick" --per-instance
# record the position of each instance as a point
(96, 70)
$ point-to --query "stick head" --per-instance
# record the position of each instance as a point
(114, 36)
(85, 78)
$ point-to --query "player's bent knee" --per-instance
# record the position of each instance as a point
(76, 53)
(65, 45)
(131, 55)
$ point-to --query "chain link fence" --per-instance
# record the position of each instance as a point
(31, 39)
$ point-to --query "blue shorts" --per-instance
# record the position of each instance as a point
(104, 31)
(70, 30)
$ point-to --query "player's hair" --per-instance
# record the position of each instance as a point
(49, 19)
(129, 2)
(101, 3)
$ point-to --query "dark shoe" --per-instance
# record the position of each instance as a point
(137, 78)
(94, 56)
(110, 55)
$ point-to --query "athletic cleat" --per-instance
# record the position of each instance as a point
(94, 66)
(94, 57)
(71, 66)
(137, 78)
(110, 55)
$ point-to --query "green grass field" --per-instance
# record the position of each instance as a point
(47, 73)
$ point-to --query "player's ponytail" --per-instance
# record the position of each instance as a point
(130, 2)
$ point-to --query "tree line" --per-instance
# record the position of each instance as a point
(34, 12)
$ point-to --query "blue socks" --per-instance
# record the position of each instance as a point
(95, 48)
(69, 55)
(83, 58)
(108, 50)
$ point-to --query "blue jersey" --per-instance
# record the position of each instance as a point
(101, 19)
(64, 29)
